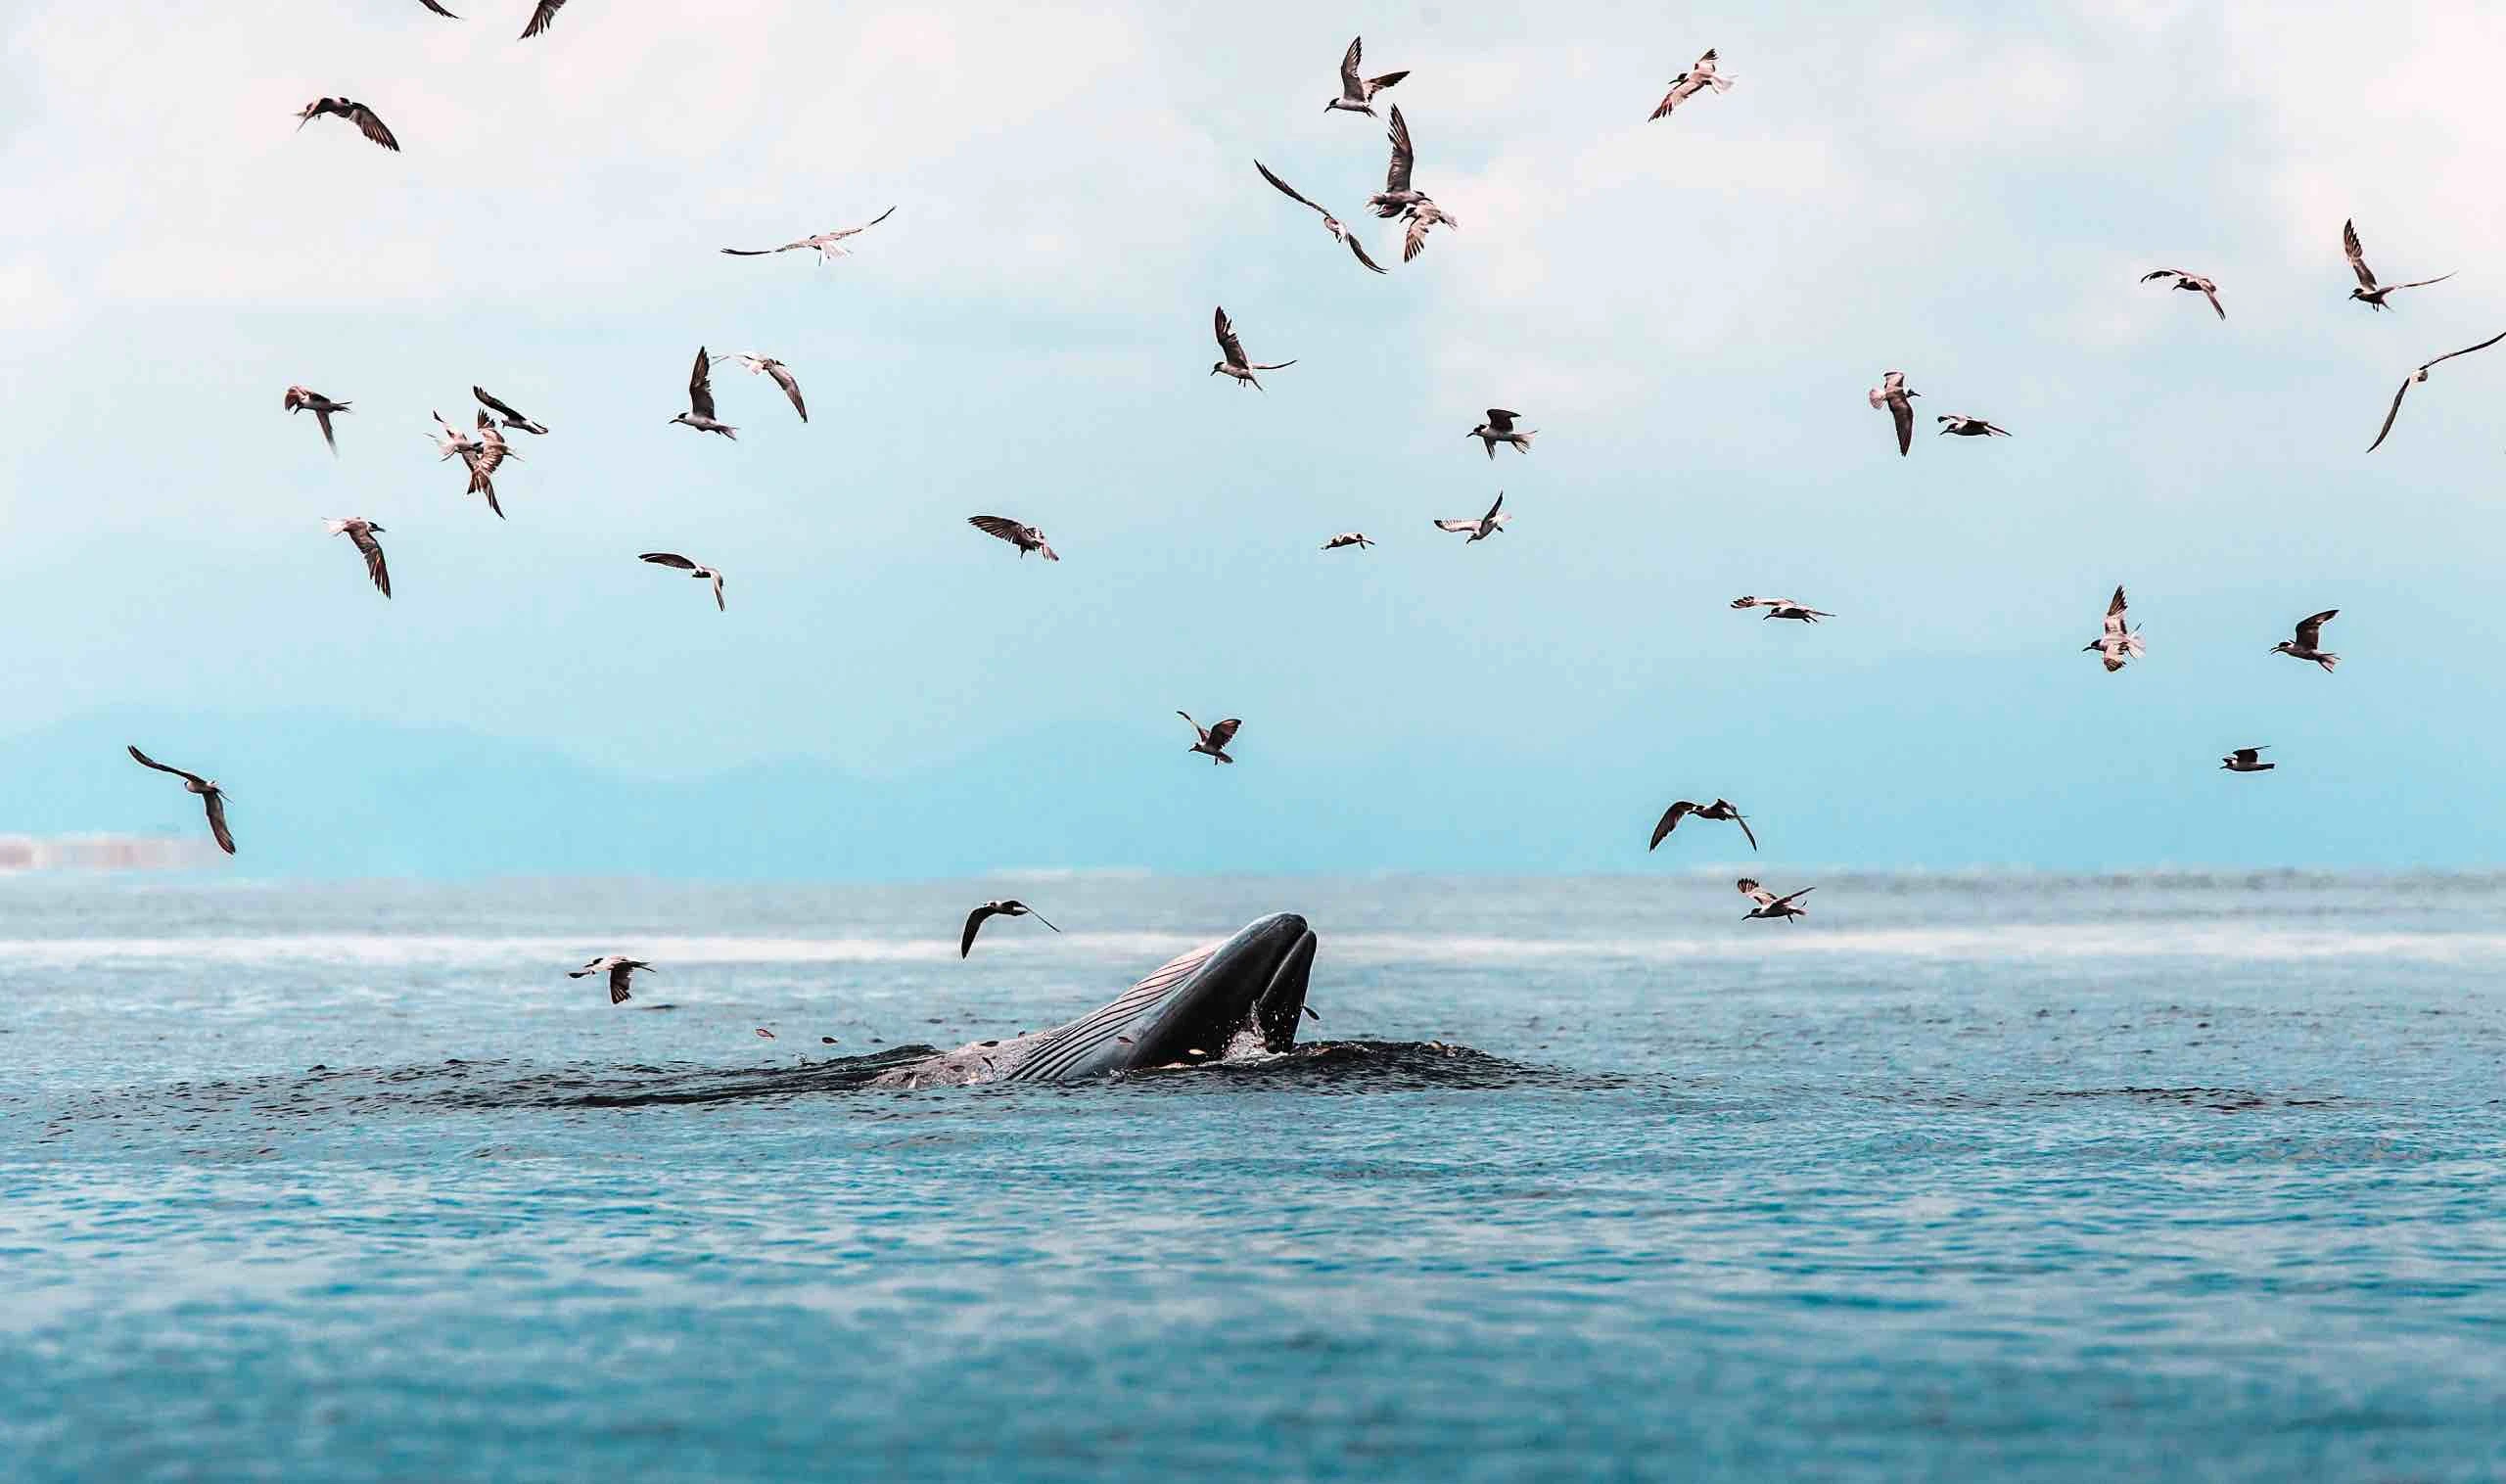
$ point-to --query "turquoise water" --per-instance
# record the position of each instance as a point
(1960, 1179)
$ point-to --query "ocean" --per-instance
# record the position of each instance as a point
(1964, 1177)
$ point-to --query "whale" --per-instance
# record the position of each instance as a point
(1196, 1008)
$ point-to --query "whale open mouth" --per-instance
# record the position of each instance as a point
(1254, 981)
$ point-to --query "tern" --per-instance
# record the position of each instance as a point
(481, 455)
(1500, 429)
(1783, 608)
(361, 532)
(1014, 908)
(700, 400)
(768, 365)
(1397, 197)
(2421, 375)
(825, 241)
(1484, 526)
(512, 419)
(1769, 905)
(620, 970)
(1213, 739)
(1026, 538)
(1421, 216)
(1347, 538)
(1894, 394)
(1720, 809)
(1234, 364)
(306, 400)
(701, 573)
(2119, 641)
(210, 796)
(2192, 283)
(1964, 426)
(1357, 93)
(2368, 293)
(371, 127)
(541, 14)
(2246, 759)
(2309, 636)
(1332, 224)
(1691, 82)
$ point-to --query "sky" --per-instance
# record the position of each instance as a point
(1689, 311)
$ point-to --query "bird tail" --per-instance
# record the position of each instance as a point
(619, 994)
(2327, 662)
(1523, 439)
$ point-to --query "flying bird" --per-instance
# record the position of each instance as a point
(1347, 538)
(306, 400)
(1970, 427)
(1892, 394)
(371, 127)
(2246, 759)
(1769, 905)
(1720, 809)
(1484, 526)
(825, 241)
(700, 400)
(1358, 93)
(701, 573)
(2368, 293)
(210, 795)
(2119, 641)
(1235, 364)
(1500, 429)
(483, 453)
(2193, 283)
(361, 532)
(1026, 538)
(1332, 224)
(1691, 82)
(618, 969)
(512, 419)
(2310, 636)
(1214, 739)
(1783, 608)
(541, 16)
(1421, 216)
(768, 365)
(2421, 375)
(1397, 197)
(975, 920)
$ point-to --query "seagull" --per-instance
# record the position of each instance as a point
(824, 242)
(700, 400)
(482, 456)
(1892, 394)
(1014, 908)
(305, 399)
(1769, 905)
(1500, 429)
(2191, 282)
(1783, 608)
(768, 365)
(541, 16)
(512, 419)
(1356, 92)
(618, 969)
(1421, 216)
(1483, 528)
(2421, 375)
(2246, 759)
(2118, 643)
(362, 532)
(1347, 538)
(1332, 224)
(209, 793)
(354, 113)
(1720, 809)
(1691, 82)
(1970, 427)
(1026, 538)
(1214, 739)
(2367, 292)
(2309, 633)
(1236, 365)
(673, 559)
(1395, 196)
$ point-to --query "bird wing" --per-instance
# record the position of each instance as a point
(439, 10)
(322, 415)
(2311, 627)
(1902, 414)
(1670, 821)
(1039, 916)
(2115, 613)
(1198, 730)
(1285, 188)
(700, 385)
(2418, 283)
(545, 12)
(216, 806)
(997, 525)
(1225, 732)
(719, 605)
(2357, 255)
(1276, 365)
(481, 395)
(2210, 292)
(373, 549)
(974, 923)
(1360, 248)
(621, 976)
(1350, 86)
(144, 761)
(1397, 179)
(2392, 412)
(1413, 240)
(1456, 524)
(2165, 273)
(372, 127)
(1501, 421)
(1376, 85)
(2467, 349)
(1493, 509)
(668, 559)
(1790, 896)
(1745, 830)
(783, 378)
(1229, 346)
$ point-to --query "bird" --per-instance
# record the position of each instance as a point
(2310, 635)
(620, 970)
(1213, 739)
(1347, 538)
(1026, 538)
(367, 123)
(1783, 608)
(824, 242)
(1894, 394)
(1970, 427)
(1769, 905)
(1014, 908)
(1332, 224)
(541, 16)
(1234, 364)
(1720, 809)
(2368, 293)
(1397, 197)
(212, 796)
(306, 400)
(481, 455)
(362, 532)
(1422, 216)
(768, 365)
(512, 419)
(1357, 93)
(2189, 282)
(2421, 375)
(701, 573)
(700, 400)
(2118, 643)
(1697, 79)
(1483, 528)
(2246, 759)
(1500, 429)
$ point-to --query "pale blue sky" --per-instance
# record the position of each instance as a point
(1688, 311)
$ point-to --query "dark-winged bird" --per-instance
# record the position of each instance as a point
(975, 920)
(700, 400)
(1697, 79)
(620, 970)
(2368, 292)
(2191, 283)
(1026, 538)
(1358, 93)
(1894, 394)
(2421, 375)
(701, 573)
(1232, 360)
(1330, 223)
(210, 795)
(1769, 905)
(512, 419)
(1720, 809)
(826, 242)
(306, 400)
(356, 113)
(361, 532)
(1213, 739)
(2308, 644)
